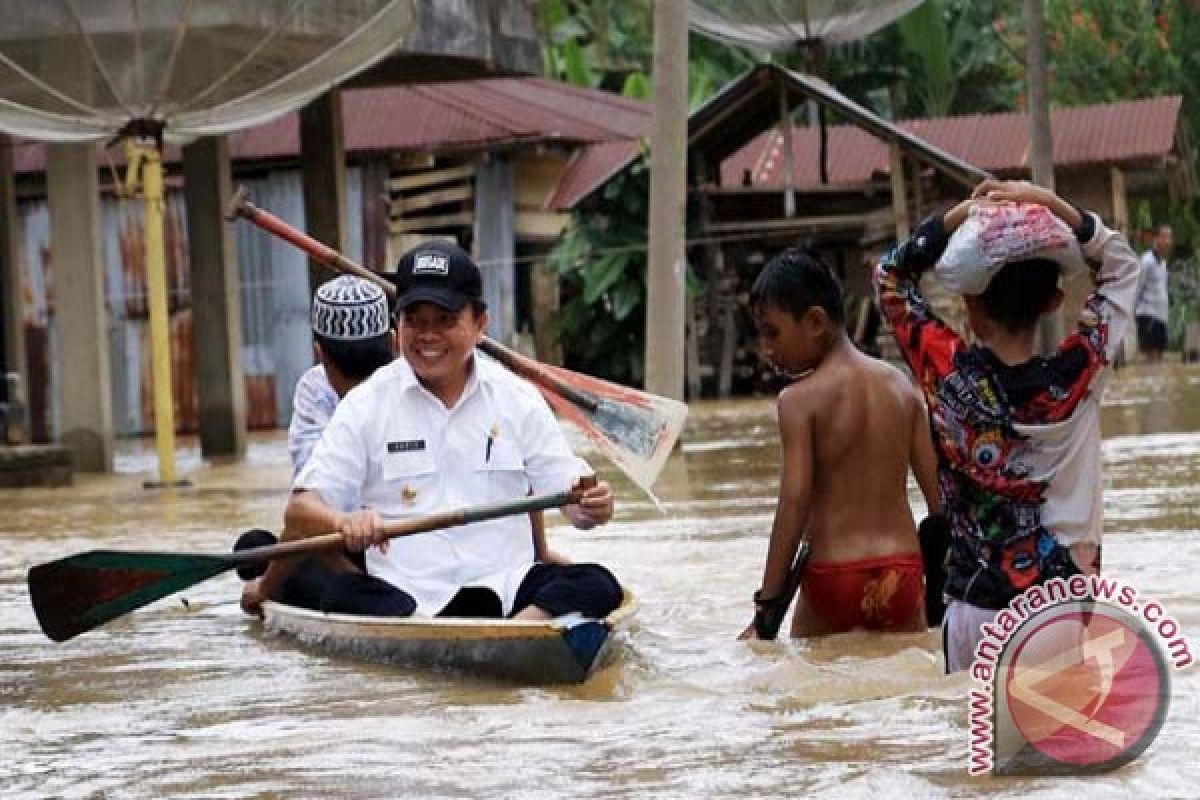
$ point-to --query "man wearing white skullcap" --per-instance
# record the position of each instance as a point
(352, 337)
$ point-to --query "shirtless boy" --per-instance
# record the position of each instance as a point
(850, 426)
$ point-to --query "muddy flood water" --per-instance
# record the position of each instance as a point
(197, 701)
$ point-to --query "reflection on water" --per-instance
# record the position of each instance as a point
(194, 700)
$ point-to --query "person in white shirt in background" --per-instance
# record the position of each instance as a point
(1153, 304)
(349, 346)
(442, 428)
(352, 337)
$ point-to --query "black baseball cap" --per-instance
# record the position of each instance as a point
(438, 272)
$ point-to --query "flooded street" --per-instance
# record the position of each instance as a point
(194, 700)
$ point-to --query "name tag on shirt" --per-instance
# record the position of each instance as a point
(409, 446)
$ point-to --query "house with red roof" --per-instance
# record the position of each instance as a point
(771, 173)
(495, 164)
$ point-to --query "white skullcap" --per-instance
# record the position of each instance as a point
(349, 308)
(995, 234)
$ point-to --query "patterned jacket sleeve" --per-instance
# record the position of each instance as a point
(1103, 321)
(927, 343)
(1108, 312)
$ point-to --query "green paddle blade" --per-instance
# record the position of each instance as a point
(75, 594)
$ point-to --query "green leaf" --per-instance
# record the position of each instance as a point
(692, 282)
(637, 85)
(575, 64)
(625, 298)
(569, 29)
(603, 274)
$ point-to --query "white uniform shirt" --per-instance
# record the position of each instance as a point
(392, 446)
(1152, 300)
(312, 406)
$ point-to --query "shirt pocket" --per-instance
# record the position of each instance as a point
(410, 481)
(500, 472)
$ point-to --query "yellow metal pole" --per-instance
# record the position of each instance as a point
(156, 290)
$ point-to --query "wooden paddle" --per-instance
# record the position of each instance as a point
(75, 594)
(768, 621)
(635, 430)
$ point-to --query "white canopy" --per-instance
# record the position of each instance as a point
(78, 70)
(779, 24)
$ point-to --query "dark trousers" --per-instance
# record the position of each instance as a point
(589, 589)
(314, 586)
(1152, 334)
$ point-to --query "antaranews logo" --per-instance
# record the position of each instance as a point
(1072, 678)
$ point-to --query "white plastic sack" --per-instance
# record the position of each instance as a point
(995, 234)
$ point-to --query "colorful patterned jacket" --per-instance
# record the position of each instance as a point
(1018, 446)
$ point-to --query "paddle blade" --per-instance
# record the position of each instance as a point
(635, 430)
(75, 594)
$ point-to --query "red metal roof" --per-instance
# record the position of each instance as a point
(590, 169)
(446, 116)
(1108, 133)
(854, 155)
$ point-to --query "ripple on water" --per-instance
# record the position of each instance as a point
(174, 702)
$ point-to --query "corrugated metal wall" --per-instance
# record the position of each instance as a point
(276, 339)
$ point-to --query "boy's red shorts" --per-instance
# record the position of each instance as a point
(878, 594)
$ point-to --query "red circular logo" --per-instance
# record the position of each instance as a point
(1082, 687)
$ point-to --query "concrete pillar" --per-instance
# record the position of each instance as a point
(12, 326)
(1120, 200)
(375, 207)
(666, 268)
(323, 170)
(80, 312)
(789, 153)
(216, 303)
(495, 245)
(547, 300)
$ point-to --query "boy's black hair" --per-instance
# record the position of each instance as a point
(1020, 293)
(796, 280)
(356, 359)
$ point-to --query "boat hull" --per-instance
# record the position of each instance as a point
(537, 653)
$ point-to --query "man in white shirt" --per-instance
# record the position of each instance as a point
(1153, 304)
(441, 429)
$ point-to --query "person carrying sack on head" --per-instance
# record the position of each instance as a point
(1017, 434)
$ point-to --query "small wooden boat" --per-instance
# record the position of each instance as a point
(563, 650)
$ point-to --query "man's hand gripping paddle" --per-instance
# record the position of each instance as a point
(75, 594)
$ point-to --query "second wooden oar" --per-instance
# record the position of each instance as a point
(73, 595)
(636, 430)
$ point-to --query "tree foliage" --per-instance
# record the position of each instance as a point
(941, 58)
(945, 57)
(601, 258)
(1103, 52)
